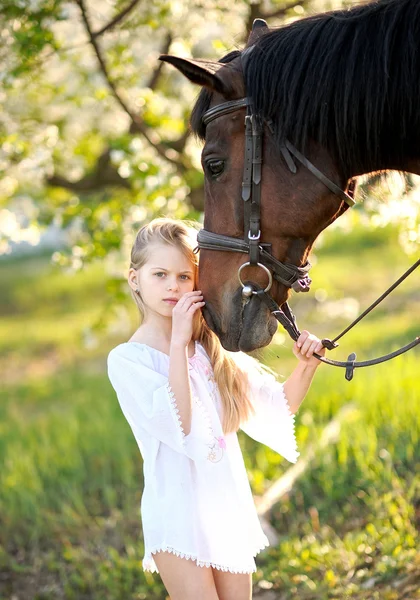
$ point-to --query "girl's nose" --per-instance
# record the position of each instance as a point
(172, 285)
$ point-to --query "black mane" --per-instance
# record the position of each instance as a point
(349, 79)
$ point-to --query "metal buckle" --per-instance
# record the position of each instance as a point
(254, 237)
(247, 264)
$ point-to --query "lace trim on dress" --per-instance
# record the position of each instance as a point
(175, 412)
(216, 445)
(149, 565)
(292, 418)
(265, 371)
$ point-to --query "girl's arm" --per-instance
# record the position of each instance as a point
(179, 380)
(297, 385)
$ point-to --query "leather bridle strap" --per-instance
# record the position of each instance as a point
(375, 304)
(252, 208)
(283, 315)
(286, 318)
(224, 109)
(327, 182)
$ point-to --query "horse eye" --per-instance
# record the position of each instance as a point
(216, 167)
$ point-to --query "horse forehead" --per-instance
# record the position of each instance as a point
(223, 131)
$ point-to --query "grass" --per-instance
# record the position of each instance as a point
(70, 485)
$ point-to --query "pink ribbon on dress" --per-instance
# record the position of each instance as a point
(222, 443)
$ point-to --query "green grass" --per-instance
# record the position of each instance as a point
(71, 477)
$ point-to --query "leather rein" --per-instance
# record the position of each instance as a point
(259, 253)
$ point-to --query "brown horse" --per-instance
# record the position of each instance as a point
(343, 87)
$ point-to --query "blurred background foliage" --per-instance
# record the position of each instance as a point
(94, 141)
(94, 129)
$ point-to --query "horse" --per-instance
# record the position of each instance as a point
(324, 99)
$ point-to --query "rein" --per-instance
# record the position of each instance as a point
(259, 253)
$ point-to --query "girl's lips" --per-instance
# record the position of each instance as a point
(170, 300)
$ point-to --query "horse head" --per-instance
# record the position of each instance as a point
(279, 72)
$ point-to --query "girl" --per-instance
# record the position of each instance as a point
(185, 397)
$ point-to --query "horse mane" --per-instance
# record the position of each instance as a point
(348, 79)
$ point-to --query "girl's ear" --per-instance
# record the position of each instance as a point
(132, 277)
(200, 71)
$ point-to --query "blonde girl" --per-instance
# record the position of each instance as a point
(184, 398)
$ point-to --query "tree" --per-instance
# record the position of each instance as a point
(94, 129)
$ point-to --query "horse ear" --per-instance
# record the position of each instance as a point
(259, 28)
(200, 71)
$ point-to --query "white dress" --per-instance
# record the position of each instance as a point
(197, 501)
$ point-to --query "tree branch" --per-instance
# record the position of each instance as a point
(137, 123)
(117, 19)
(282, 11)
(179, 144)
(103, 174)
(154, 79)
(256, 12)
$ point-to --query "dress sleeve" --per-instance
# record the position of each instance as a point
(273, 423)
(149, 405)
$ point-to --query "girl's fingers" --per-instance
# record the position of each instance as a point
(196, 305)
(312, 348)
(302, 339)
(188, 302)
(306, 346)
(309, 345)
(189, 306)
(194, 302)
(188, 295)
(191, 294)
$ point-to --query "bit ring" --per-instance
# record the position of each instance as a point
(263, 267)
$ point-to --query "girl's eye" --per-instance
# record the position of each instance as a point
(185, 277)
(159, 274)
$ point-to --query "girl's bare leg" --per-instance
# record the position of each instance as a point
(183, 579)
(233, 586)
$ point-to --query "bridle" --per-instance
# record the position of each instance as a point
(259, 253)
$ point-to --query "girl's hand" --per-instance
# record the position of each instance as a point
(305, 346)
(183, 315)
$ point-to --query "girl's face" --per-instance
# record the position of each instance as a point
(164, 278)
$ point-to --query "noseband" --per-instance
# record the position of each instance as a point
(259, 252)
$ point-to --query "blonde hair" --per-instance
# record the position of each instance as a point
(231, 381)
